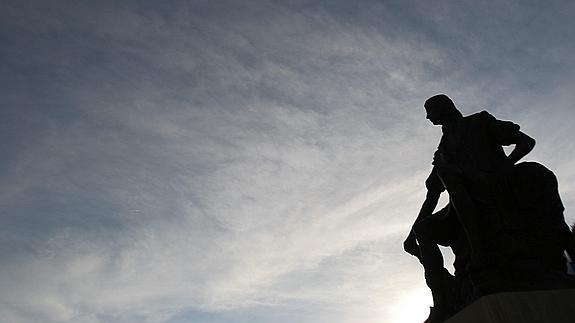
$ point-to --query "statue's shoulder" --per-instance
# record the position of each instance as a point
(482, 117)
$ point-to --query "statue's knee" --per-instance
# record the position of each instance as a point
(421, 230)
(449, 175)
(417, 228)
(445, 172)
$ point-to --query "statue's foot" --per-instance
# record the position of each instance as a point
(438, 314)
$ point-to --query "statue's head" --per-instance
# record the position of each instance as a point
(440, 109)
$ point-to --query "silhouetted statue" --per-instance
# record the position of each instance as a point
(504, 222)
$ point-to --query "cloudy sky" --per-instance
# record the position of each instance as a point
(249, 161)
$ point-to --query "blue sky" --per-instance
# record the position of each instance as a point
(249, 161)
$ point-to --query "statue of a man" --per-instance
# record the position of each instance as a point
(471, 165)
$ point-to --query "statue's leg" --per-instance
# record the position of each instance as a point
(431, 258)
(465, 208)
(429, 254)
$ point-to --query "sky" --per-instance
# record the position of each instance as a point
(249, 161)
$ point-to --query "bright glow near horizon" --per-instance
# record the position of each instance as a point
(413, 307)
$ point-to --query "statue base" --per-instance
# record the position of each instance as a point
(557, 306)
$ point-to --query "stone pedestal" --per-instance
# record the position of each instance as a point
(551, 306)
